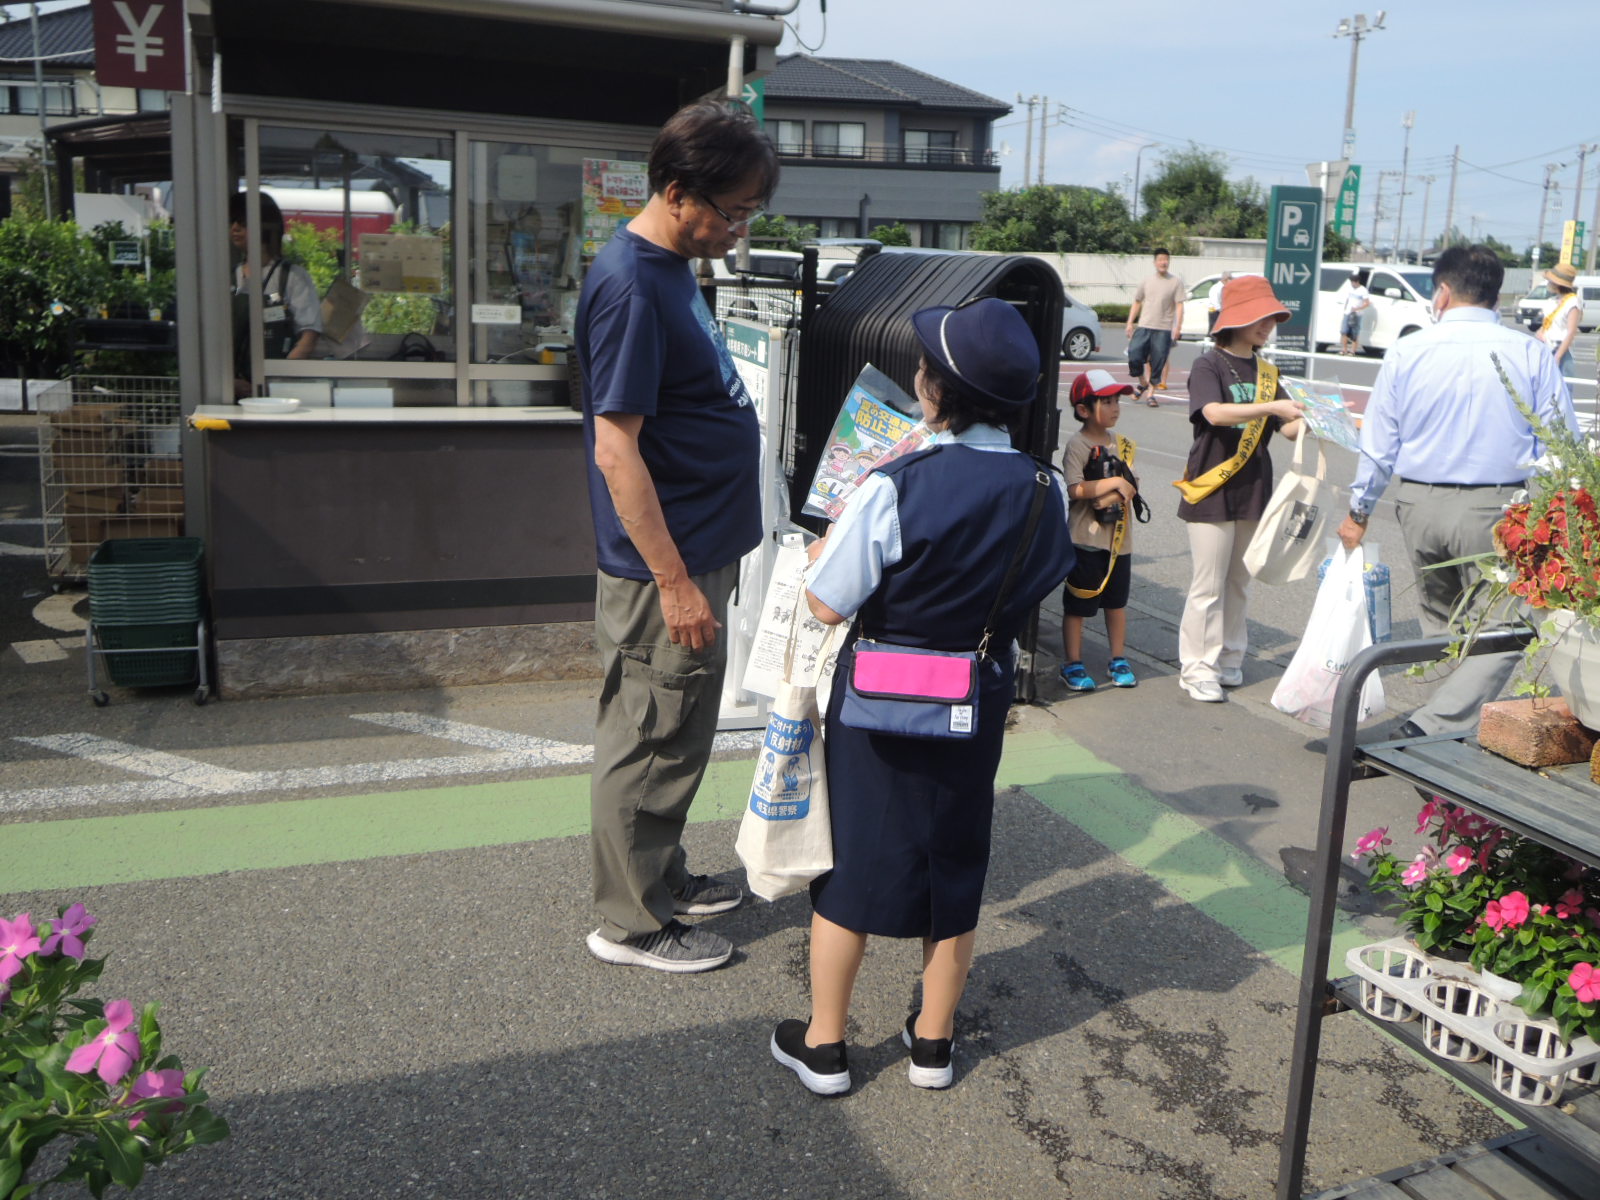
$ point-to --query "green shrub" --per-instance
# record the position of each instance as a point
(1112, 313)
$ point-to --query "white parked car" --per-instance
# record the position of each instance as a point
(1402, 303)
(1080, 330)
(1533, 308)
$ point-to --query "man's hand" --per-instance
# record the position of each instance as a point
(688, 615)
(1350, 533)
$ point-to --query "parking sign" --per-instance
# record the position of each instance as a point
(1294, 252)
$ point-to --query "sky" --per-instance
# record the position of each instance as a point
(1266, 83)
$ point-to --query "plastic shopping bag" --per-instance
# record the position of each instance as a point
(1336, 633)
(1287, 540)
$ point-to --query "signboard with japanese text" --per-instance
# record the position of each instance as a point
(1572, 233)
(614, 192)
(140, 44)
(1294, 252)
(1344, 212)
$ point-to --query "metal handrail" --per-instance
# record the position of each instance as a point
(1325, 880)
(923, 156)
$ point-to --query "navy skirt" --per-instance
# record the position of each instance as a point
(911, 821)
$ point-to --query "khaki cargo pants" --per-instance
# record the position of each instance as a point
(653, 733)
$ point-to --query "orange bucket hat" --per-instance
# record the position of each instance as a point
(1245, 300)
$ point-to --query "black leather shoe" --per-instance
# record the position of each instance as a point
(1409, 729)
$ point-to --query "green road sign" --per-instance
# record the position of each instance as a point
(754, 96)
(1344, 212)
(1294, 252)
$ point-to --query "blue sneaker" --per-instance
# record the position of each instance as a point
(1121, 673)
(1076, 678)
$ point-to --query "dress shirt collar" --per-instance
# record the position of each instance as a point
(1470, 312)
(989, 437)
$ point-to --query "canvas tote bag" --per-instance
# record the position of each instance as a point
(1288, 540)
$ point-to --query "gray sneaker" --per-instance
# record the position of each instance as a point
(703, 895)
(674, 947)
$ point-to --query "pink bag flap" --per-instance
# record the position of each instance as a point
(913, 676)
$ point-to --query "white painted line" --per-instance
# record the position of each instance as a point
(181, 778)
(12, 550)
(55, 612)
(541, 751)
(187, 772)
(48, 650)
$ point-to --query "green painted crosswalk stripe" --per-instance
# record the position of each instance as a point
(1192, 863)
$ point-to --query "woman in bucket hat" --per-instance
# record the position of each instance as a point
(1227, 482)
(918, 558)
(1560, 327)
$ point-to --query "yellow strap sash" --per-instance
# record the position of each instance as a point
(1196, 490)
(1125, 449)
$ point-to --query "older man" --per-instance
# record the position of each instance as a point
(1441, 421)
(675, 449)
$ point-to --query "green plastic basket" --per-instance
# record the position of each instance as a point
(145, 581)
(156, 669)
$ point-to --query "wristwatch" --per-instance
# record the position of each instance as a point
(1359, 517)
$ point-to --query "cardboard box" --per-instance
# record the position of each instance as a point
(157, 500)
(163, 472)
(127, 526)
(87, 470)
(67, 442)
(97, 500)
(84, 533)
(87, 416)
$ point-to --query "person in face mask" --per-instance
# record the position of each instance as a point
(1441, 422)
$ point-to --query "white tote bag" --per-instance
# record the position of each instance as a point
(1336, 633)
(1288, 541)
(785, 839)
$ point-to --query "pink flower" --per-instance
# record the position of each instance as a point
(153, 1085)
(1416, 872)
(67, 932)
(1570, 904)
(1459, 859)
(1427, 813)
(1372, 840)
(114, 1048)
(1471, 825)
(18, 939)
(1489, 843)
(1585, 982)
(1507, 912)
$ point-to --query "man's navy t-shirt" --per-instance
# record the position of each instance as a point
(647, 345)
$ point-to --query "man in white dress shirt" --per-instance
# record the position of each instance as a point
(1442, 423)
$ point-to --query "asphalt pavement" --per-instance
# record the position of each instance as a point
(366, 915)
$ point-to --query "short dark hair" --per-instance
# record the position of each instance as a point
(959, 406)
(708, 149)
(272, 226)
(1361, 276)
(1159, 251)
(1474, 274)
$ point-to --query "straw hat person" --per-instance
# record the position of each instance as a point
(1560, 327)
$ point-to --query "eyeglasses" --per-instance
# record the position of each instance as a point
(733, 223)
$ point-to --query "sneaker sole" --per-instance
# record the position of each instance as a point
(927, 1077)
(679, 908)
(1129, 683)
(615, 952)
(822, 1085)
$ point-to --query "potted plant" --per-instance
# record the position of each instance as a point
(82, 1069)
(1510, 905)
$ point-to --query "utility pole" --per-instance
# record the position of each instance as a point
(38, 95)
(1408, 121)
(1427, 191)
(1577, 202)
(1355, 28)
(1550, 170)
(1027, 142)
(1377, 208)
(1044, 125)
(1450, 204)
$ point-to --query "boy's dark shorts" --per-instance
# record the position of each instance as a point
(1087, 572)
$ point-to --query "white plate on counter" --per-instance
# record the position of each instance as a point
(269, 404)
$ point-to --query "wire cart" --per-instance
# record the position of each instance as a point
(110, 466)
(145, 617)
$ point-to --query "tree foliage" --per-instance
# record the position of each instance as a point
(1060, 217)
(777, 233)
(1191, 188)
(892, 235)
(50, 275)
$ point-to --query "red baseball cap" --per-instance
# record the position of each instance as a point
(1093, 385)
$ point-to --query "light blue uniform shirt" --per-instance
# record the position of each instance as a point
(1440, 414)
(866, 540)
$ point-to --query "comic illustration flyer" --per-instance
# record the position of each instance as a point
(875, 418)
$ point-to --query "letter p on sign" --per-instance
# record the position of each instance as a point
(1291, 221)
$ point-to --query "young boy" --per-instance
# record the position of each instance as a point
(1099, 518)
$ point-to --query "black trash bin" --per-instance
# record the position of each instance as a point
(868, 320)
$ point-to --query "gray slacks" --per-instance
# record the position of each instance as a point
(652, 741)
(1439, 523)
